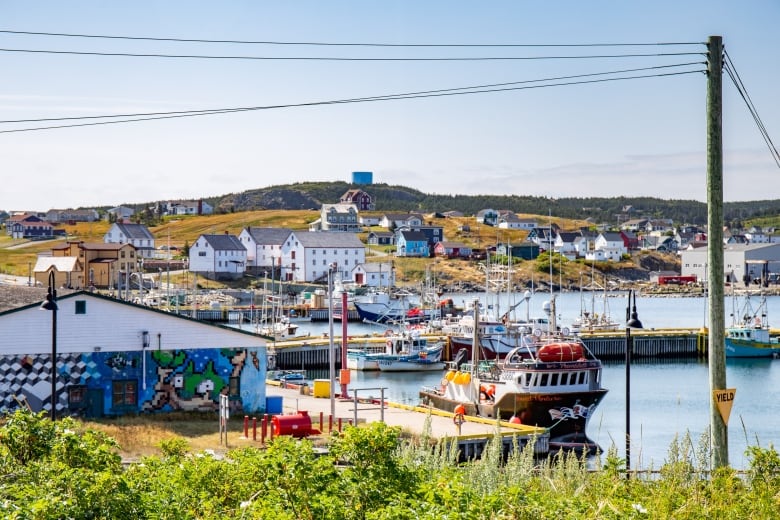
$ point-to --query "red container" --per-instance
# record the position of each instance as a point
(560, 352)
(297, 425)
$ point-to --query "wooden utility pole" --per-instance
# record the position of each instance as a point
(717, 353)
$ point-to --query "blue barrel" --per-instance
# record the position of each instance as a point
(273, 404)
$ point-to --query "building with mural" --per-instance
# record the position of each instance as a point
(114, 357)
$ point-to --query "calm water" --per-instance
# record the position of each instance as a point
(667, 399)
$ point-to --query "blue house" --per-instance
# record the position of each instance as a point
(412, 243)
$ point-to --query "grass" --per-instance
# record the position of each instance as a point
(141, 435)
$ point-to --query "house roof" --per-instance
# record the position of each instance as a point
(94, 246)
(135, 231)
(612, 236)
(414, 236)
(269, 235)
(453, 245)
(402, 216)
(376, 267)
(320, 239)
(63, 264)
(224, 242)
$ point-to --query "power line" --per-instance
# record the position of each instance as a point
(345, 44)
(342, 58)
(386, 96)
(391, 97)
(732, 73)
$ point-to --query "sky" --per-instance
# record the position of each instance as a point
(637, 137)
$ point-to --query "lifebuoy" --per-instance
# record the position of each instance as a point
(458, 419)
(388, 332)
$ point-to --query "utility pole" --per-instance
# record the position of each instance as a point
(717, 354)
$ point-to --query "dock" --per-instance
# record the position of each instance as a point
(471, 437)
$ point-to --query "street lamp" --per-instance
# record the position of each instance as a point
(50, 304)
(331, 348)
(632, 322)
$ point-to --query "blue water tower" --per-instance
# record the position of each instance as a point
(362, 177)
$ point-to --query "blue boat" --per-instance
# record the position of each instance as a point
(749, 336)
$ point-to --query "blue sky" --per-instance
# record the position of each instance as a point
(643, 137)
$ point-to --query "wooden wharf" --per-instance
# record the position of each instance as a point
(472, 436)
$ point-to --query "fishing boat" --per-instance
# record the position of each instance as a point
(381, 307)
(408, 351)
(748, 336)
(551, 381)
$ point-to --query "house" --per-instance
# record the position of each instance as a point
(433, 234)
(564, 244)
(220, 257)
(381, 238)
(29, 226)
(451, 250)
(524, 250)
(184, 207)
(136, 234)
(412, 243)
(392, 221)
(630, 240)
(339, 217)
(610, 245)
(308, 255)
(374, 274)
(114, 357)
(66, 269)
(489, 217)
(544, 237)
(72, 215)
(756, 235)
(636, 224)
(263, 247)
(740, 262)
(508, 220)
(103, 265)
(659, 243)
(369, 219)
(661, 225)
(119, 213)
(362, 200)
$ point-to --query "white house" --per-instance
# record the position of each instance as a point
(339, 217)
(120, 213)
(218, 256)
(396, 220)
(374, 274)
(307, 255)
(135, 234)
(611, 245)
(263, 246)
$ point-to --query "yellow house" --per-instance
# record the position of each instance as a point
(102, 265)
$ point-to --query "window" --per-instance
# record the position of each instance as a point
(314, 261)
(76, 395)
(81, 307)
(124, 393)
(201, 253)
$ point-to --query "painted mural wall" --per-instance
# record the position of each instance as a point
(150, 380)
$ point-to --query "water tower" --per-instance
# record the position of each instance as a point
(362, 177)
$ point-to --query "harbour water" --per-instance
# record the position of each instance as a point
(668, 398)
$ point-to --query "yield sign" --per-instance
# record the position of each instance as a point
(724, 399)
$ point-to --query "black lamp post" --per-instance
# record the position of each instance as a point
(632, 322)
(50, 304)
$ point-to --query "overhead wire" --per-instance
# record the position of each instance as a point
(415, 93)
(345, 44)
(735, 78)
(390, 97)
(348, 59)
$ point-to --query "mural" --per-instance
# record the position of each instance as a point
(115, 383)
